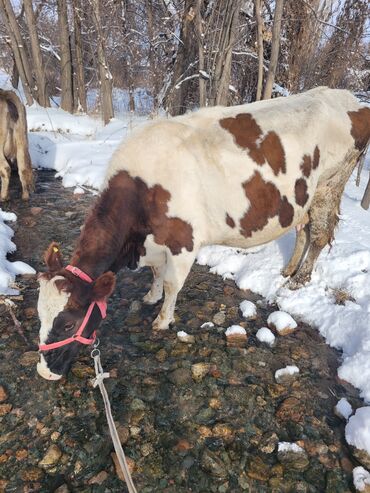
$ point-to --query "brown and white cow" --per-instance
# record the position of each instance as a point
(239, 176)
(14, 144)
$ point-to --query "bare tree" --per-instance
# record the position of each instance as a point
(80, 89)
(259, 20)
(105, 77)
(65, 57)
(270, 79)
(201, 64)
(38, 64)
(18, 47)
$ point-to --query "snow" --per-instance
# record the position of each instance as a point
(8, 270)
(289, 447)
(281, 320)
(235, 329)
(288, 370)
(361, 478)
(207, 325)
(248, 309)
(346, 266)
(265, 335)
(357, 430)
(343, 408)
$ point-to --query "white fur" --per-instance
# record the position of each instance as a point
(198, 162)
(50, 303)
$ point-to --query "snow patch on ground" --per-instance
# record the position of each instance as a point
(8, 270)
(289, 447)
(343, 408)
(358, 429)
(235, 329)
(265, 335)
(361, 478)
(288, 370)
(281, 320)
(248, 309)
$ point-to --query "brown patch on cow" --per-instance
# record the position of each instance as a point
(265, 203)
(316, 158)
(124, 215)
(173, 232)
(286, 213)
(230, 221)
(309, 163)
(360, 129)
(248, 135)
(301, 195)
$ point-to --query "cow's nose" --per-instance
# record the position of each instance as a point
(44, 371)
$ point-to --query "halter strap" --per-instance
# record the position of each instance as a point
(102, 305)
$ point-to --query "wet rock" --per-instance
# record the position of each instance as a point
(361, 455)
(135, 307)
(5, 409)
(184, 337)
(223, 430)
(219, 318)
(181, 376)
(35, 211)
(32, 474)
(130, 463)
(199, 371)
(287, 375)
(291, 409)
(258, 469)
(212, 464)
(3, 394)
(99, 478)
(62, 489)
(146, 449)
(161, 355)
(293, 457)
(29, 358)
(51, 458)
(268, 442)
(80, 370)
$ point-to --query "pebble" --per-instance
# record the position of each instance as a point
(294, 459)
(29, 358)
(130, 464)
(99, 478)
(3, 394)
(212, 464)
(5, 409)
(199, 371)
(51, 458)
(219, 318)
(180, 376)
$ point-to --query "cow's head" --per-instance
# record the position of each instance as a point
(62, 305)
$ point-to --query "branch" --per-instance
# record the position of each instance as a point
(321, 21)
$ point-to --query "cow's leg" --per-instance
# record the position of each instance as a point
(156, 291)
(323, 216)
(5, 178)
(300, 248)
(177, 270)
(24, 167)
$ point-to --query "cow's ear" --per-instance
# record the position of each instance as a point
(103, 286)
(53, 257)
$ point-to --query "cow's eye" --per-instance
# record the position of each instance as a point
(69, 326)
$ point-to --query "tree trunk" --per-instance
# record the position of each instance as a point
(104, 74)
(275, 45)
(81, 103)
(65, 58)
(153, 76)
(200, 36)
(178, 96)
(38, 64)
(222, 71)
(19, 50)
(259, 21)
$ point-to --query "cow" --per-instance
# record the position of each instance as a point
(14, 144)
(239, 176)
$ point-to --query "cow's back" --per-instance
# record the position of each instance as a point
(245, 174)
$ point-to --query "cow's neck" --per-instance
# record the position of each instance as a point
(108, 229)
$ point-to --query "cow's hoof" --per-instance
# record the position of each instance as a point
(287, 272)
(150, 299)
(25, 196)
(160, 324)
(298, 281)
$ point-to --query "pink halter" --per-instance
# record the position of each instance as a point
(102, 305)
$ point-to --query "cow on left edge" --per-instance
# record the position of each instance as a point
(14, 144)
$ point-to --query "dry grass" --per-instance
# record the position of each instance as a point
(341, 296)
